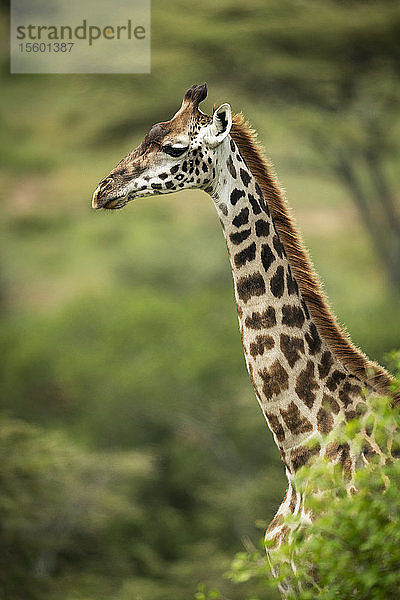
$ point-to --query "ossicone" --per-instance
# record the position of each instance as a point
(195, 94)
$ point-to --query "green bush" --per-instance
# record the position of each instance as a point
(207, 451)
(59, 507)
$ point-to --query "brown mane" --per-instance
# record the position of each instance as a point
(351, 357)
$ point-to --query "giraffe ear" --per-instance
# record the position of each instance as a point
(220, 127)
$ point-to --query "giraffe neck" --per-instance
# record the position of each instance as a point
(300, 385)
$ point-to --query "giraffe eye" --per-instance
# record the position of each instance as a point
(174, 150)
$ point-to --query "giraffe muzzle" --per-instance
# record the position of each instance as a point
(102, 198)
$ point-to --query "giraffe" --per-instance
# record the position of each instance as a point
(305, 371)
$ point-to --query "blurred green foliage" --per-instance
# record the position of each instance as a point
(61, 508)
(136, 460)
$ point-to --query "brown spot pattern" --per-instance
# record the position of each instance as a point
(293, 501)
(231, 167)
(277, 283)
(294, 420)
(306, 384)
(263, 320)
(313, 340)
(262, 228)
(275, 380)
(341, 452)
(301, 455)
(292, 348)
(246, 255)
(333, 381)
(325, 365)
(292, 286)
(250, 285)
(345, 460)
(368, 451)
(223, 208)
(235, 196)
(245, 177)
(278, 246)
(254, 205)
(331, 451)
(240, 236)
(350, 415)
(292, 316)
(267, 258)
(276, 426)
(261, 343)
(242, 218)
(347, 392)
(324, 421)
(329, 403)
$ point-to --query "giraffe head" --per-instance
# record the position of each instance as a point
(175, 154)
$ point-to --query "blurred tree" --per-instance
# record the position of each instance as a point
(209, 451)
(338, 65)
(59, 506)
(334, 68)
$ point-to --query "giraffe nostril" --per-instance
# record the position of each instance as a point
(103, 189)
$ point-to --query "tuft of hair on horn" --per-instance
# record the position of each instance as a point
(196, 94)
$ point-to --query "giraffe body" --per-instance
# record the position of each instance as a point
(306, 374)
